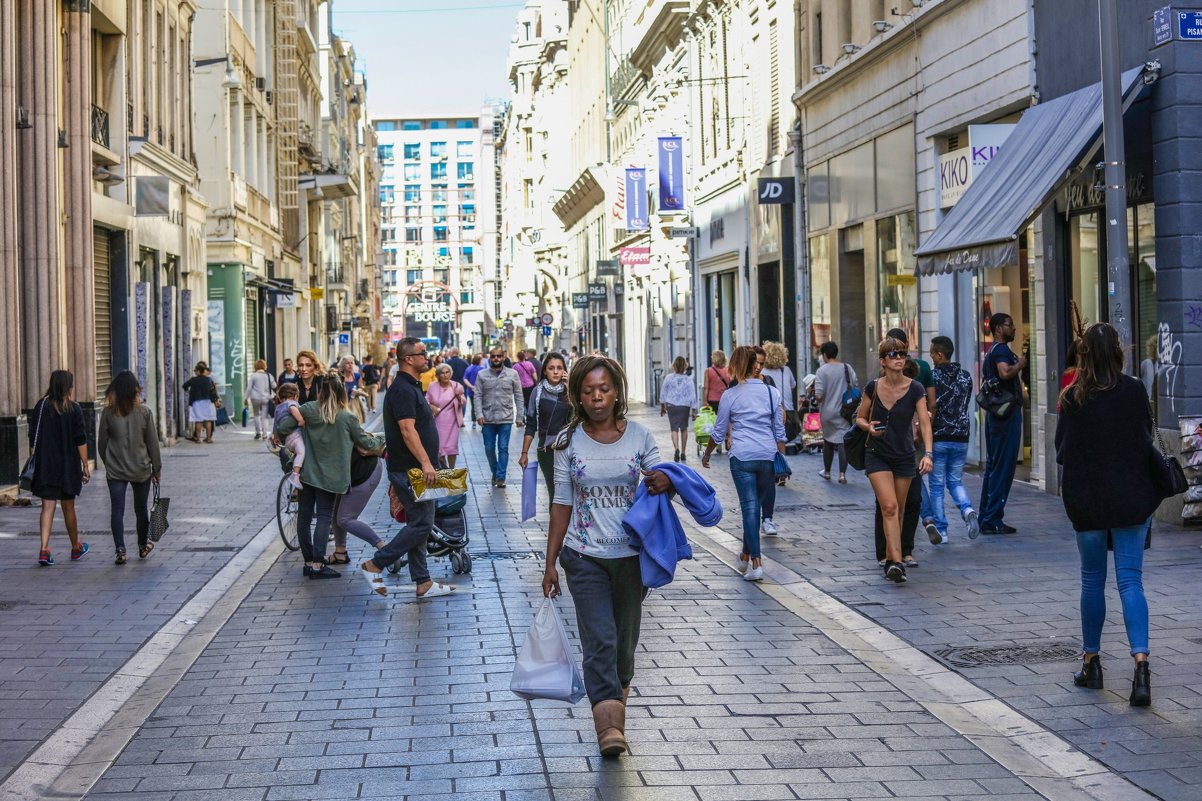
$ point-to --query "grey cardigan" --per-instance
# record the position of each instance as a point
(129, 446)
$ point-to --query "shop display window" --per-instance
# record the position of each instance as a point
(898, 283)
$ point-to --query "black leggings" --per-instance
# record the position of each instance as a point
(828, 456)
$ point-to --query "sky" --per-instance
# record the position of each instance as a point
(429, 56)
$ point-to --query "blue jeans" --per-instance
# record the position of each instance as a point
(926, 509)
(1129, 571)
(496, 448)
(948, 459)
(1003, 439)
(754, 480)
(117, 510)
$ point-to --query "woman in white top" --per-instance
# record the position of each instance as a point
(678, 399)
(599, 459)
(259, 389)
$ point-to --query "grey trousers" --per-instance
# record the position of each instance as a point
(608, 595)
(411, 539)
(350, 506)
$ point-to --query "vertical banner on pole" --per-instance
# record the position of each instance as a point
(636, 199)
(169, 379)
(141, 331)
(671, 174)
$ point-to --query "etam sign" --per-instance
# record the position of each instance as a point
(959, 168)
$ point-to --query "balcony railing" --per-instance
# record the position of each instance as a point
(100, 126)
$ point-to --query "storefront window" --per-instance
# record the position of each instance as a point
(720, 297)
(1086, 266)
(820, 290)
(1142, 223)
(898, 282)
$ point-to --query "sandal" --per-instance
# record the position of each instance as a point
(437, 589)
(120, 560)
(339, 558)
(145, 552)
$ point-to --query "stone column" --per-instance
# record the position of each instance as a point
(38, 198)
(12, 435)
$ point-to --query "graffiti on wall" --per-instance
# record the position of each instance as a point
(1193, 316)
(1168, 359)
(216, 318)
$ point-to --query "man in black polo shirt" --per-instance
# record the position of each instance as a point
(412, 442)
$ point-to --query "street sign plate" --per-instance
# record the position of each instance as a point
(688, 232)
(546, 318)
(579, 300)
(1162, 26)
(597, 291)
(1189, 26)
(344, 339)
(608, 267)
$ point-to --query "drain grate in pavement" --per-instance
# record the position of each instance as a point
(495, 555)
(211, 548)
(970, 656)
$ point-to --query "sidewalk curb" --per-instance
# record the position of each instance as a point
(1040, 758)
(77, 754)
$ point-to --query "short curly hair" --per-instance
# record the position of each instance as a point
(776, 355)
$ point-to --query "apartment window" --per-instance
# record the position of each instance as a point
(467, 296)
(440, 233)
(390, 258)
(387, 234)
(467, 193)
(413, 193)
(528, 193)
(467, 210)
(442, 276)
(413, 151)
(464, 150)
(438, 125)
(466, 171)
(413, 172)
(440, 214)
(467, 255)
(817, 39)
(438, 172)
(413, 234)
(411, 125)
(384, 153)
(385, 125)
(438, 150)
(387, 193)
(413, 276)
(465, 124)
(528, 139)
(438, 193)
(413, 214)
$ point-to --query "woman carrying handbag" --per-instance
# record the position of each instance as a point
(128, 445)
(59, 452)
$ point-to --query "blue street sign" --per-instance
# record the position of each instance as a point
(1189, 25)
(1162, 26)
(344, 339)
(546, 330)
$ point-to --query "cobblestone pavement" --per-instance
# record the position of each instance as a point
(319, 690)
(65, 629)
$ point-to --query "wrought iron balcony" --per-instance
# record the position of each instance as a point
(100, 126)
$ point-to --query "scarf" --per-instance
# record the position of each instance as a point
(554, 389)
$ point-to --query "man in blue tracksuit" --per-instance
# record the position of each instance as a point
(1003, 438)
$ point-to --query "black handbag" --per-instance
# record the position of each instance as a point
(997, 399)
(1167, 475)
(158, 515)
(26, 480)
(855, 442)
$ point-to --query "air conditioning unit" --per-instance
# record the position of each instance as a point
(269, 96)
(261, 84)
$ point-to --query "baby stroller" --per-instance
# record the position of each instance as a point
(702, 426)
(449, 536)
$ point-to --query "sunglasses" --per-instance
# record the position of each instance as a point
(497, 358)
(895, 354)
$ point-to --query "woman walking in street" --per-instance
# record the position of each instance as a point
(128, 445)
(678, 400)
(599, 459)
(332, 432)
(716, 380)
(887, 411)
(1104, 443)
(831, 383)
(446, 399)
(202, 402)
(527, 375)
(58, 441)
(750, 413)
(308, 369)
(366, 472)
(547, 414)
(260, 386)
(779, 374)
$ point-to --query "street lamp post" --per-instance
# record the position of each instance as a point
(1118, 265)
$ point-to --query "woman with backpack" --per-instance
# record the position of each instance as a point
(58, 444)
(831, 384)
(128, 444)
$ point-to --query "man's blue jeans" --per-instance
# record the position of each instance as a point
(496, 448)
(948, 471)
(1129, 570)
(754, 480)
(1003, 440)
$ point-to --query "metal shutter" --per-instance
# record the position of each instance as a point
(252, 329)
(103, 310)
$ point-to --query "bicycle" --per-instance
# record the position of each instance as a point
(286, 505)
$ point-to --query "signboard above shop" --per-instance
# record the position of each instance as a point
(959, 168)
(635, 256)
(775, 191)
(597, 290)
(608, 268)
(579, 300)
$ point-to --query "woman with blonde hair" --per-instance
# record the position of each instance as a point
(678, 400)
(776, 368)
(332, 431)
(260, 386)
(308, 369)
(716, 380)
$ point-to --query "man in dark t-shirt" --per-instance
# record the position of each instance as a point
(1003, 438)
(412, 443)
(371, 380)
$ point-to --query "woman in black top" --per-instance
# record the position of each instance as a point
(58, 440)
(308, 367)
(202, 402)
(887, 412)
(547, 413)
(1104, 443)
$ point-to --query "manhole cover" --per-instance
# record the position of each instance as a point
(211, 548)
(980, 655)
(494, 555)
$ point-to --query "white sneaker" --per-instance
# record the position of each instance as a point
(744, 564)
(294, 480)
(974, 525)
(768, 527)
(754, 574)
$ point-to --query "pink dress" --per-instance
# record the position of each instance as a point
(448, 420)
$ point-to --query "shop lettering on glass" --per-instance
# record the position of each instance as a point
(1091, 193)
(717, 230)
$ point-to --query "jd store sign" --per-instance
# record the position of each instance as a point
(775, 191)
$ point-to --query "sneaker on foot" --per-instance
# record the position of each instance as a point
(744, 564)
(932, 532)
(80, 552)
(974, 525)
(768, 527)
(45, 559)
(1008, 529)
(895, 572)
(824, 474)
(754, 574)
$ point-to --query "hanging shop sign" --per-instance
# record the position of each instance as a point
(776, 191)
(609, 268)
(671, 174)
(959, 168)
(579, 300)
(597, 290)
(635, 256)
(636, 199)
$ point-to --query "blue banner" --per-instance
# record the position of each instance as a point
(671, 174)
(636, 199)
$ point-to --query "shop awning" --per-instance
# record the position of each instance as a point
(1047, 146)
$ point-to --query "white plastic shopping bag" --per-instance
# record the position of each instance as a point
(546, 666)
(529, 491)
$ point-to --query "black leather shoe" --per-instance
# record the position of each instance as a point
(1141, 685)
(1008, 529)
(326, 572)
(1090, 674)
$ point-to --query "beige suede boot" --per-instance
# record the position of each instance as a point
(609, 718)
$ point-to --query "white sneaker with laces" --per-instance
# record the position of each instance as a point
(768, 527)
(754, 574)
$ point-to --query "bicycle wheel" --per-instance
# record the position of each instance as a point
(285, 513)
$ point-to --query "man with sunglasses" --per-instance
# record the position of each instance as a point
(500, 406)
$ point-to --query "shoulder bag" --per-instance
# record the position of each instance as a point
(851, 398)
(997, 399)
(26, 481)
(1167, 475)
(855, 441)
(158, 515)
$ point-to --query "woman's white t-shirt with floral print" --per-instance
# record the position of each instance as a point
(598, 481)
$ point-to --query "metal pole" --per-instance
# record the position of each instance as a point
(801, 259)
(1118, 263)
